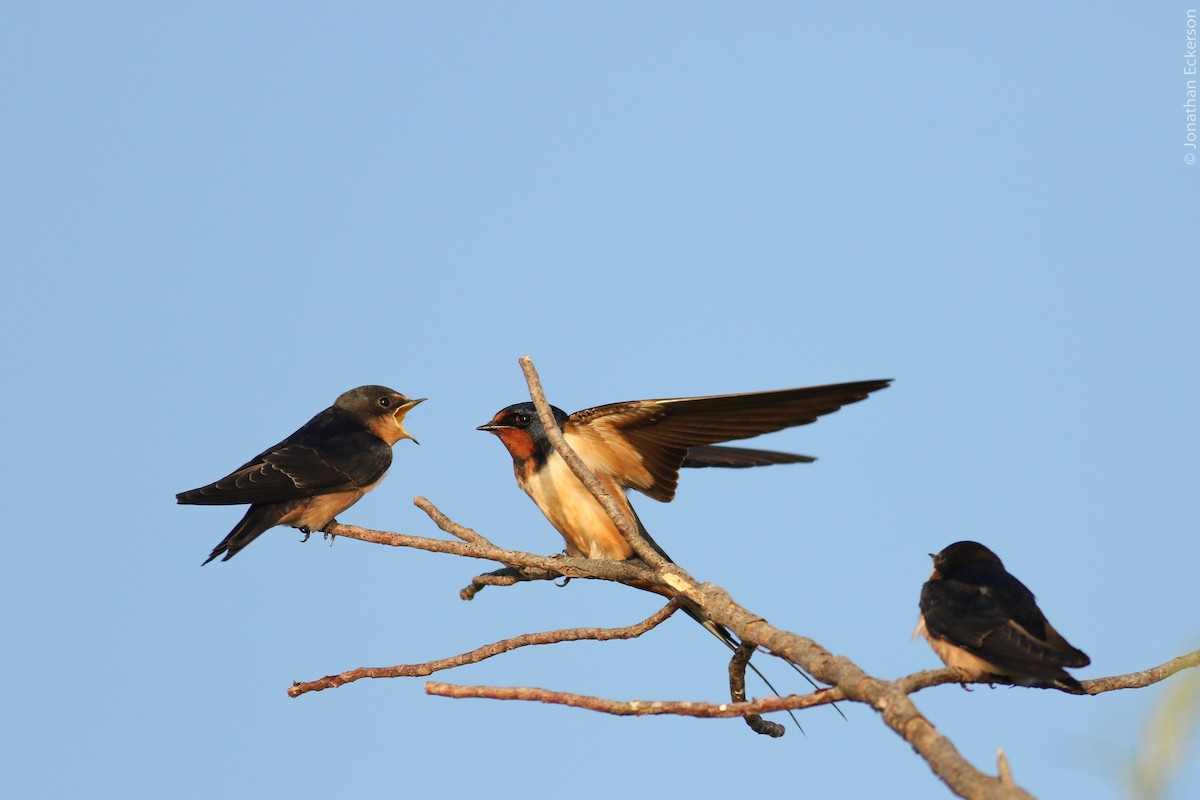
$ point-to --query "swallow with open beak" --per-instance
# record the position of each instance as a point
(979, 618)
(316, 473)
(642, 445)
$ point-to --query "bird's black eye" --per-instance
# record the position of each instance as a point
(385, 401)
(523, 420)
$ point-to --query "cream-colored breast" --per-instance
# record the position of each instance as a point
(952, 656)
(577, 515)
(317, 512)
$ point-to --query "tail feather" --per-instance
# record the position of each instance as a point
(720, 631)
(258, 518)
(739, 457)
(1061, 681)
(1068, 684)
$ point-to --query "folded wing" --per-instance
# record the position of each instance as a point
(315, 460)
(1002, 625)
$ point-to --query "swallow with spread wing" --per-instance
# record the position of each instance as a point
(979, 618)
(316, 473)
(642, 445)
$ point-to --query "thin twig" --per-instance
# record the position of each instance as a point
(485, 652)
(849, 682)
(910, 684)
(737, 691)
(445, 523)
(742, 708)
(508, 576)
(619, 571)
(628, 708)
(1004, 768)
(1138, 680)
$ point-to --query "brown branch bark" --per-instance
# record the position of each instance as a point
(766, 705)
(737, 691)
(559, 566)
(911, 684)
(848, 681)
(448, 525)
(630, 708)
(485, 652)
(1139, 680)
(508, 576)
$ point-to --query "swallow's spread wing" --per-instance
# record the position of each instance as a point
(329, 454)
(659, 433)
(999, 621)
(739, 457)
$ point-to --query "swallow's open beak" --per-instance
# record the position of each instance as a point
(399, 413)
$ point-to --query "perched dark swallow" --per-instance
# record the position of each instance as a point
(316, 473)
(642, 445)
(979, 618)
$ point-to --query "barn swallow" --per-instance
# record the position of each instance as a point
(316, 473)
(642, 445)
(979, 618)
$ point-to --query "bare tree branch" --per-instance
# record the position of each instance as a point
(485, 652)
(1133, 680)
(630, 708)
(849, 682)
(897, 710)
(560, 566)
(737, 691)
(1004, 768)
(846, 680)
(764, 705)
(448, 525)
(508, 576)
(1139, 680)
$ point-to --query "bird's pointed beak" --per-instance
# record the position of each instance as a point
(398, 415)
(492, 426)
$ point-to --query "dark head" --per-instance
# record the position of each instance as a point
(379, 408)
(521, 430)
(959, 555)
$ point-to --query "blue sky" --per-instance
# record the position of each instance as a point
(217, 218)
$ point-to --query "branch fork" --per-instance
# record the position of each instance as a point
(846, 680)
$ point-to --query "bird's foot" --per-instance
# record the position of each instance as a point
(327, 534)
(561, 554)
(307, 533)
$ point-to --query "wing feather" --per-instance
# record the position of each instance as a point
(999, 622)
(329, 454)
(663, 431)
